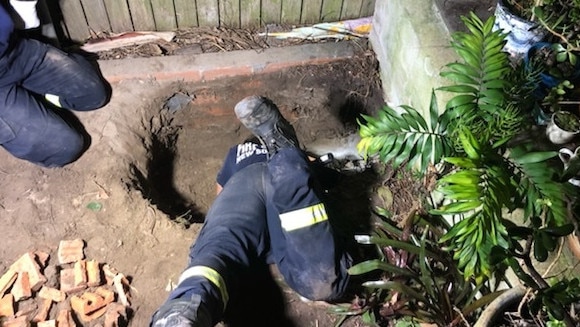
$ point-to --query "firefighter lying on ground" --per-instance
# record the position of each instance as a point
(270, 211)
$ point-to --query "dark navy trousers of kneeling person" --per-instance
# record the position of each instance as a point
(36, 80)
(267, 212)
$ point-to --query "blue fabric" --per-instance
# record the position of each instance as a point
(239, 157)
(242, 232)
(6, 28)
(30, 127)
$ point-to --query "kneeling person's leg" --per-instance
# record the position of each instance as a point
(30, 131)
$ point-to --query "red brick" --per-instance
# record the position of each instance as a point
(43, 310)
(41, 258)
(46, 323)
(88, 306)
(116, 315)
(21, 321)
(7, 306)
(52, 294)
(110, 273)
(67, 281)
(65, 319)
(107, 295)
(93, 273)
(28, 263)
(7, 280)
(71, 251)
(21, 289)
(212, 74)
(80, 270)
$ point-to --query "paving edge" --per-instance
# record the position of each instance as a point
(211, 66)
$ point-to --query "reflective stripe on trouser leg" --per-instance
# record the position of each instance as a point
(302, 238)
(210, 274)
(302, 218)
(54, 99)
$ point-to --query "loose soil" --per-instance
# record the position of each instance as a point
(137, 197)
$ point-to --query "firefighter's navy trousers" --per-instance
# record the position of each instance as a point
(36, 79)
(267, 212)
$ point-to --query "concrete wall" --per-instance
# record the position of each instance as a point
(412, 44)
(412, 41)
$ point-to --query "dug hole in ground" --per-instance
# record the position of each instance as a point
(138, 195)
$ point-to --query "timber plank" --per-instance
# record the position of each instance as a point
(119, 16)
(186, 13)
(207, 13)
(311, 11)
(74, 22)
(368, 8)
(230, 13)
(142, 15)
(331, 10)
(250, 15)
(350, 9)
(291, 11)
(164, 14)
(271, 11)
(96, 14)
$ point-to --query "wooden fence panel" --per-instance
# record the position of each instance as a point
(350, 9)
(164, 14)
(291, 10)
(250, 13)
(208, 14)
(186, 13)
(331, 10)
(119, 16)
(230, 13)
(80, 17)
(142, 15)
(368, 8)
(271, 11)
(311, 11)
(97, 17)
(73, 17)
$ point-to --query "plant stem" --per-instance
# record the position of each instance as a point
(530, 265)
(538, 278)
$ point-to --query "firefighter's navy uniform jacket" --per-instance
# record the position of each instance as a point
(268, 211)
(36, 79)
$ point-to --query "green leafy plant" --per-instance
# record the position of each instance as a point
(419, 280)
(556, 60)
(523, 8)
(555, 98)
(538, 240)
(484, 173)
(404, 136)
(562, 20)
(567, 120)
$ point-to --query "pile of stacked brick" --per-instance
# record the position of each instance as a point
(72, 292)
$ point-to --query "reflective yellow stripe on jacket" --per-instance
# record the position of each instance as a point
(303, 217)
(210, 274)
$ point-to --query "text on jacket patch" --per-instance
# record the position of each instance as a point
(249, 149)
